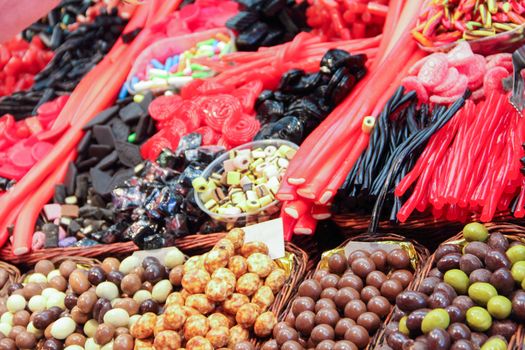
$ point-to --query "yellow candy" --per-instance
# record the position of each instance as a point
(233, 178)
(200, 184)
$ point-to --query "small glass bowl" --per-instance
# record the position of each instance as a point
(265, 213)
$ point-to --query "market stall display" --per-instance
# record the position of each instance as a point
(158, 158)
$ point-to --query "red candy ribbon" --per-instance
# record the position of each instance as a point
(219, 108)
(164, 107)
(209, 137)
(239, 131)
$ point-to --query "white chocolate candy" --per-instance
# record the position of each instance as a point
(141, 295)
(173, 258)
(5, 328)
(128, 264)
(107, 290)
(37, 303)
(7, 317)
(37, 278)
(56, 299)
(16, 303)
(161, 290)
(91, 345)
(90, 327)
(117, 317)
(63, 328)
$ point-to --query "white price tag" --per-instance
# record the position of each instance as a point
(269, 232)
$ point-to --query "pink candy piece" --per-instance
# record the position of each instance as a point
(474, 70)
(413, 84)
(229, 165)
(39, 238)
(449, 82)
(40, 150)
(458, 89)
(52, 211)
(61, 233)
(434, 70)
(417, 66)
(460, 54)
(493, 79)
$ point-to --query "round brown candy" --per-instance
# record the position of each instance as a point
(369, 292)
(376, 279)
(176, 275)
(270, 345)
(325, 345)
(59, 283)
(327, 316)
(356, 255)
(75, 339)
(96, 275)
(66, 268)
(459, 331)
(329, 281)
(345, 345)
(302, 304)
(7, 344)
(363, 266)
(329, 293)
(337, 264)
(320, 274)
(21, 318)
(25, 340)
(310, 288)
(149, 305)
(324, 303)
(86, 301)
(104, 334)
(391, 288)
(78, 281)
(350, 280)
(123, 342)
(115, 277)
(358, 335)
(52, 344)
(379, 305)
(354, 308)
(15, 331)
(110, 264)
(342, 326)
(284, 334)
(344, 295)
(130, 284)
(14, 287)
(379, 259)
(70, 301)
(369, 321)
(403, 276)
(398, 259)
(305, 322)
(322, 332)
(44, 267)
(290, 345)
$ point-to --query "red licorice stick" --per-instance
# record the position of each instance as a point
(305, 225)
(297, 208)
(286, 192)
(394, 11)
(288, 225)
(339, 177)
(321, 212)
(25, 224)
(326, 143)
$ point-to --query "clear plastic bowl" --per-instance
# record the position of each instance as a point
(263, 214)
(164, 48)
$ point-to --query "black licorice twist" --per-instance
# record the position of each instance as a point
(408, 149)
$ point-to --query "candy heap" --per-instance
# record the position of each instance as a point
(443, 78)
(209, 301)
(220, 113)
(303, 100)
(267, 23)
(174, 69)
(347, 19)
(456, 175)
(472, 297)
(342, 306)
(19, 62)
(248, 183)
(79, 51)
(25, 142)
(442, 23)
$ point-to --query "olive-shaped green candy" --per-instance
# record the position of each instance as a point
(437, 318)
(478, 319)
(475, 232)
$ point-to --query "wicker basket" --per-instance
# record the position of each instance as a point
(421, 255)
(13, 275)
(97, 251)
(350, 224)
(198, 244)
(514, 233)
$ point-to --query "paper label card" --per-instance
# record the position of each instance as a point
(269, 232)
